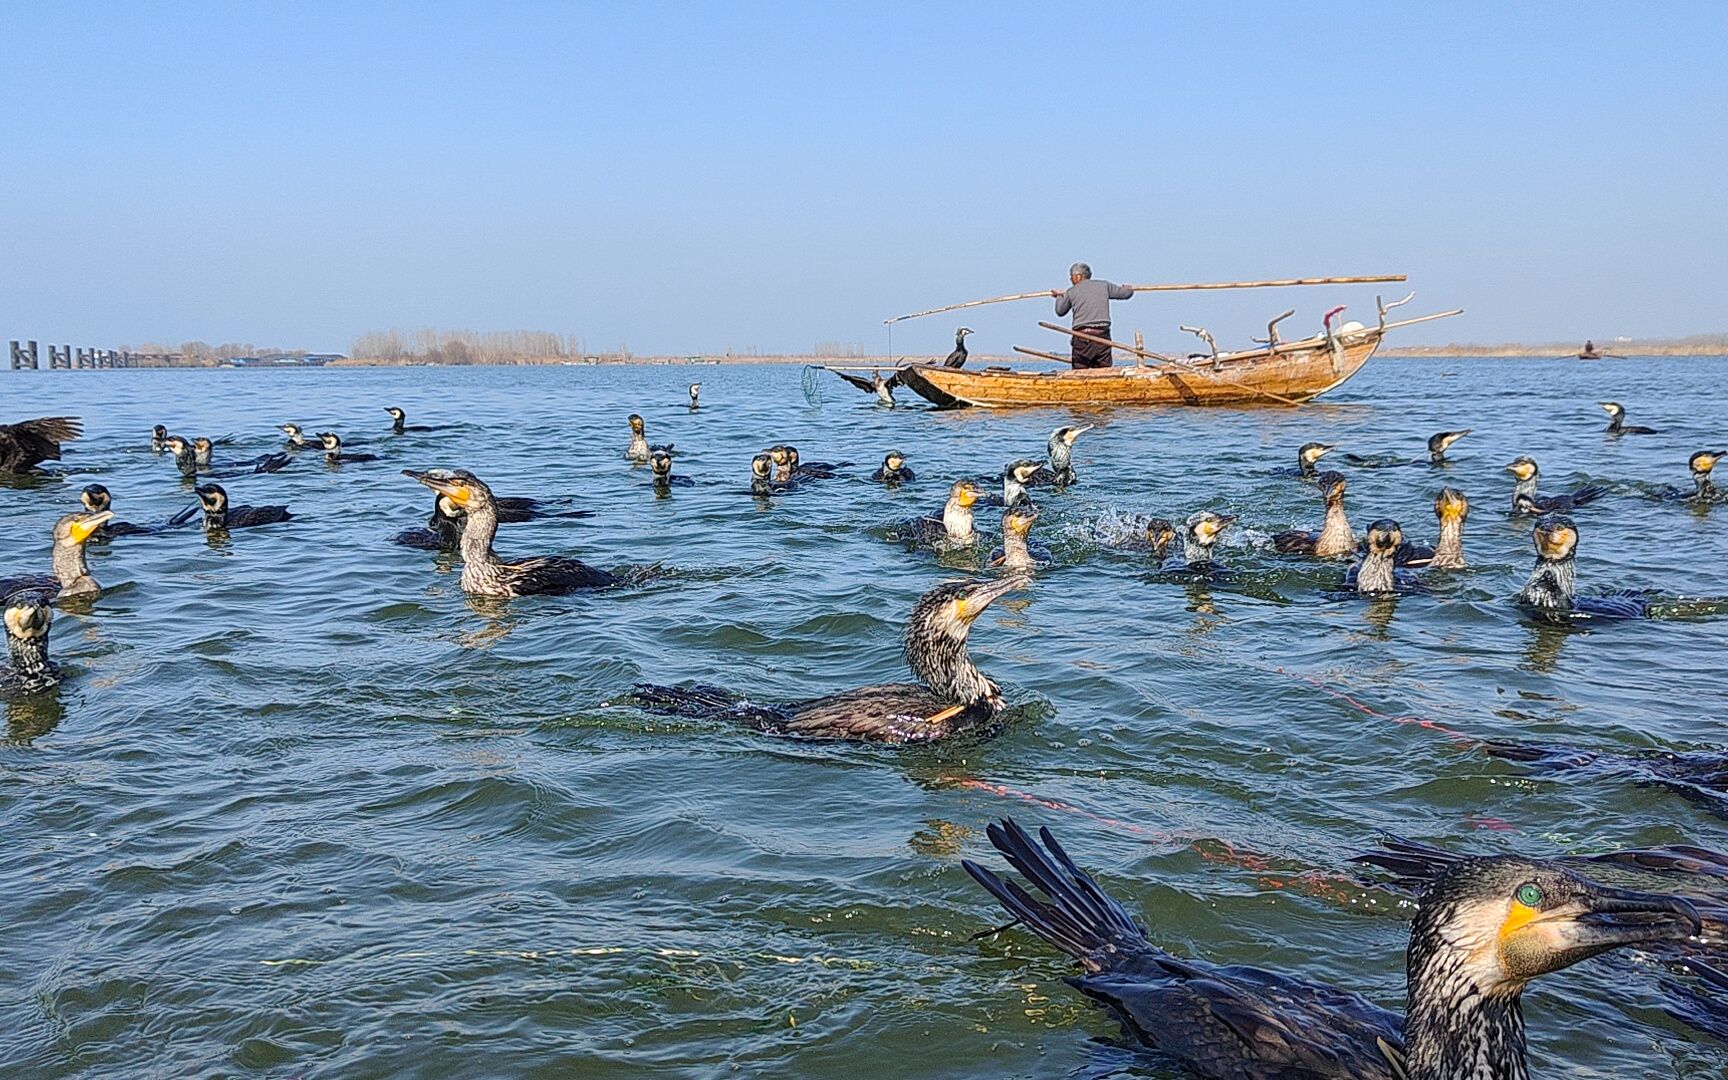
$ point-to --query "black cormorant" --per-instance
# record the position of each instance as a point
(1617, 424)
(1485, 929)
(158, 438)
(875, 384)
(1552, 591)
(1442, 441)
(951, 698)
(1201, 532)
(1334, 538)
(660, 465)
(71, 574)
(29, 443)
(800, 470)
(957, 358)
(483, 572)
(297, 439)
(399, 424)
(1525, 500)
(28, 669)
(762, 480)
(1306, 455)
(695, 391)
(1159, 534)
(335, 455)
(952, 525)
(894, 469)
(1016, 475)
(1704, 489)
(1377, 573)
(96, 499)
(194, 457)
(1451, 510)
(1061, 450)
(1016, 554)
(219, 516)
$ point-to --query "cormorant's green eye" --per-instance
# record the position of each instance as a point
(1529, 894)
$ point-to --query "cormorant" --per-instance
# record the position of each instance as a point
(781, 458)
(221, 517)
(660, 464)
(1015, 554)
(399, 422)
(637, 451)
(957, 358)
(443, 531)
(483, 572)
(1617, 424)
(96, 499)
(894, 469)
(1451, 509)
(335, 455)
(1438, 444)
(1198, 536)
(158, 438)
(28, 669)
(194, 457)
(875, 384)
(1016, 475)
(29, 443)
(955, 698)
(952, 525)
(297, 438)
(1160, 534)
(1334, 537)
(1525, 500)
(1061, 449)
(762, 482)
(1485, 928)
(811, 470)
(71, 574)
(695, 389)
(1704, 489)
(1307, 454)
(1552, 590)
(1442, 441)
(1377, 573)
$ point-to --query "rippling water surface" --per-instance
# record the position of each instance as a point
(301, 809)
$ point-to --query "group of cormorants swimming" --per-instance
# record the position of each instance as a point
(1486, 927)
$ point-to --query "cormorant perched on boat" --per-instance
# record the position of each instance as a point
(96, 499)
(955, 698)
(762, 482)
(1015, 554)
(1485, 928)
(1307, 454)
(1016, 475)
(158, 438)
(660, 464)
(1438, 444)
(875, 384)
(811, 470)
(28, 669)
(71, 574)
(957, 358)
(29, 443)
(219, 516)
(335, 455)
(695, 389)
(1617, 424)
(1377, 573)
(894, 469)
(1704, 490)
(297, 438)
(1334, 538)
(1198, 537)
(1552, 590)
(399, 422)
(483, 572)
(1451, 509)
(1525, 469)
(1061, 449)
(952, 525)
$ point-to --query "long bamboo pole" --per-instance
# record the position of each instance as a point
(1281, 283)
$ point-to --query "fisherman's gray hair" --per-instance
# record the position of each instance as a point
(1084, 271)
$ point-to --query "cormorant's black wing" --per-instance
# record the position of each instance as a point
(1237, 1021)
(47, 583)
(893, 381)
(28, 443)
(957, 358)
(861, 383)
(423, 539)
(269, 463)
(1411, 554)
(554, 574)
(1298, 541)
(1614, 605)
(1588, 494)
(241, 517)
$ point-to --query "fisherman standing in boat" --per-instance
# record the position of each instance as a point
(1089, 299)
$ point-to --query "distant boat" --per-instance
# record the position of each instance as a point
(1590, 352)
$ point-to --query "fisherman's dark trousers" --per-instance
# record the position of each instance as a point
(1089, 354)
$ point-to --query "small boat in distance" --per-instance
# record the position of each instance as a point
(1590, 352)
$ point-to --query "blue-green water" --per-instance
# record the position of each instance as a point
(301, 809)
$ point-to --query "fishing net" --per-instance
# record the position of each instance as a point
(812, 385)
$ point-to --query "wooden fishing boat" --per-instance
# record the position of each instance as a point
(1282, 373)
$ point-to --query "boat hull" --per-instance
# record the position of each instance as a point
(1291, 376)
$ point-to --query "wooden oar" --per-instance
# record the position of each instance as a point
(1043, 355)
(1281, 283)
(1096, 340)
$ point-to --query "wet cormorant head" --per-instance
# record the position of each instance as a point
(1442, 441)
(1705, 460)
(1556, 537)
(777, 454)
(213, 498)
(1018, 518)
(964, 493)
(176, 445)
(95, 498)
(1023, 470)
(203, 445)
(960, 334)
(465, 491)
(291, 430)
(791, 456)
(1314, 451)
(636, 425)
(1205, 526)
(395, 413)
(1524, 468)
(28, 616)
(952, 607)
(1160, 534)
(331, 441)
(1332, 485)
(76, 528)
(761, 465)
(1384, 536)
(660, 463)
(160, 431)
(1451, 505)
(1488, 926)
(1613, 408)
(893, 461)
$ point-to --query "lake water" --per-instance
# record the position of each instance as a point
(301, 809)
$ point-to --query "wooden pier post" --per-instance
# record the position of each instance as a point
(24, 357)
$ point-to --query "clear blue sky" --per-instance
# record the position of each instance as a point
(687, 176)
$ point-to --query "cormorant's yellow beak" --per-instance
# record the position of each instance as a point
(967, 496)
(455, 490)
(1450, 509)
(1520, 469)
(968, 608)
(1706, 461)
(81, 530)
(1075, 433)
(1021, 523)
(1556, 542)
(1535, 940)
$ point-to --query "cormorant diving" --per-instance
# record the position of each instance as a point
(951, 698)
(483, 572)
(1485, 928)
